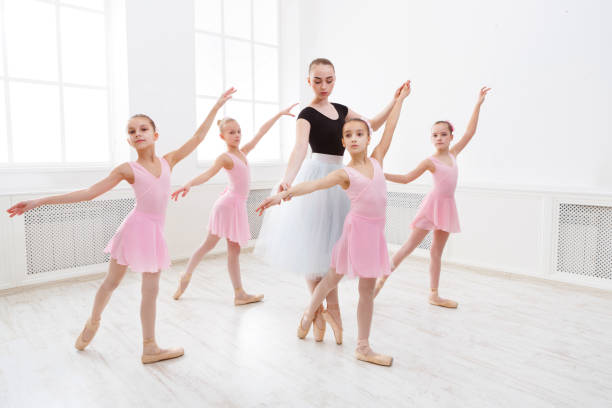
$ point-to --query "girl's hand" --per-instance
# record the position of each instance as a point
(20, 208)
(287, 111)
(281, 191)
(483, 93)
(268, 202)
(226, 96)
(404, 91)
(399, 90)
(185, 189)
(283, 186)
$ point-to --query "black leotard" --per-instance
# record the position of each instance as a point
(325, 133)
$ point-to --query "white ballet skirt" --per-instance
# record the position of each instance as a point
(299, 235)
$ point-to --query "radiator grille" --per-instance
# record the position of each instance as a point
(584, 245)
(71, 235)
(401, 209)
(255, 198)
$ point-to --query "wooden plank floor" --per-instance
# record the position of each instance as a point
(512, 342)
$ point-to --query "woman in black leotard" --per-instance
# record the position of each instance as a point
(299, 235)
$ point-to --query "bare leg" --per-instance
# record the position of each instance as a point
(365, 309)
(333, 309)
(148, 304)
(112, 280)
(148, 308)
(210, 242)
(333, 306)
(416, 237)
(233, 266)
(439, 242)
(327, 284)
(318, 326)
(113, 277)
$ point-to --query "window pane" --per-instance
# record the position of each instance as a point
(266, 73)
(35, 123)
(208, 15)
(237, 18)
(243, 113)
(3, 129)
(238, 68)
(86, 125)
(31, 39)
(90, 4)
(265, 21)
(209, 67)
(268, 149)
(212, 146)
(83, 47)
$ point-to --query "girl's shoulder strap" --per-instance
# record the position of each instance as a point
(235, 158)
(351, 172)
(164, 163)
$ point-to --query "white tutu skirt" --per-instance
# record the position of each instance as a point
(299, 235)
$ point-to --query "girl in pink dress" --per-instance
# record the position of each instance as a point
(139, 242)
(361, 250)
(228, 218)
(438, 212)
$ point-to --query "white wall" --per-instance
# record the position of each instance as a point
(547, 121)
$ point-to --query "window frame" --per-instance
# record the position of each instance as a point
(253, 101)
(6, 79)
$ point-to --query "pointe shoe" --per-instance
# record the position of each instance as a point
(163, 354)
(249, 299)
(160, 354)
(436, 300)
(301, 331)
(180, 290)
(334, 325)
(318, 325)
(80, 343)
(374, 358)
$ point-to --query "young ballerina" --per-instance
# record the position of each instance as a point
(361, 250)
(139, 242)
(438, 212)
(299, 236)
(228, 218)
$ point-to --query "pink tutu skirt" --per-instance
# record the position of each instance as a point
(228, 219)
(139, 243)
(361, 251)
(437, 213)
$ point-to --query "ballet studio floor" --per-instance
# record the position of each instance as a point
(512, 342)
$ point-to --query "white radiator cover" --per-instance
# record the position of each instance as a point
(401, 209)
(584, 241)
(59, 237)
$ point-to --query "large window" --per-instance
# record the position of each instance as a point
(237, 45)
(54, 94)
